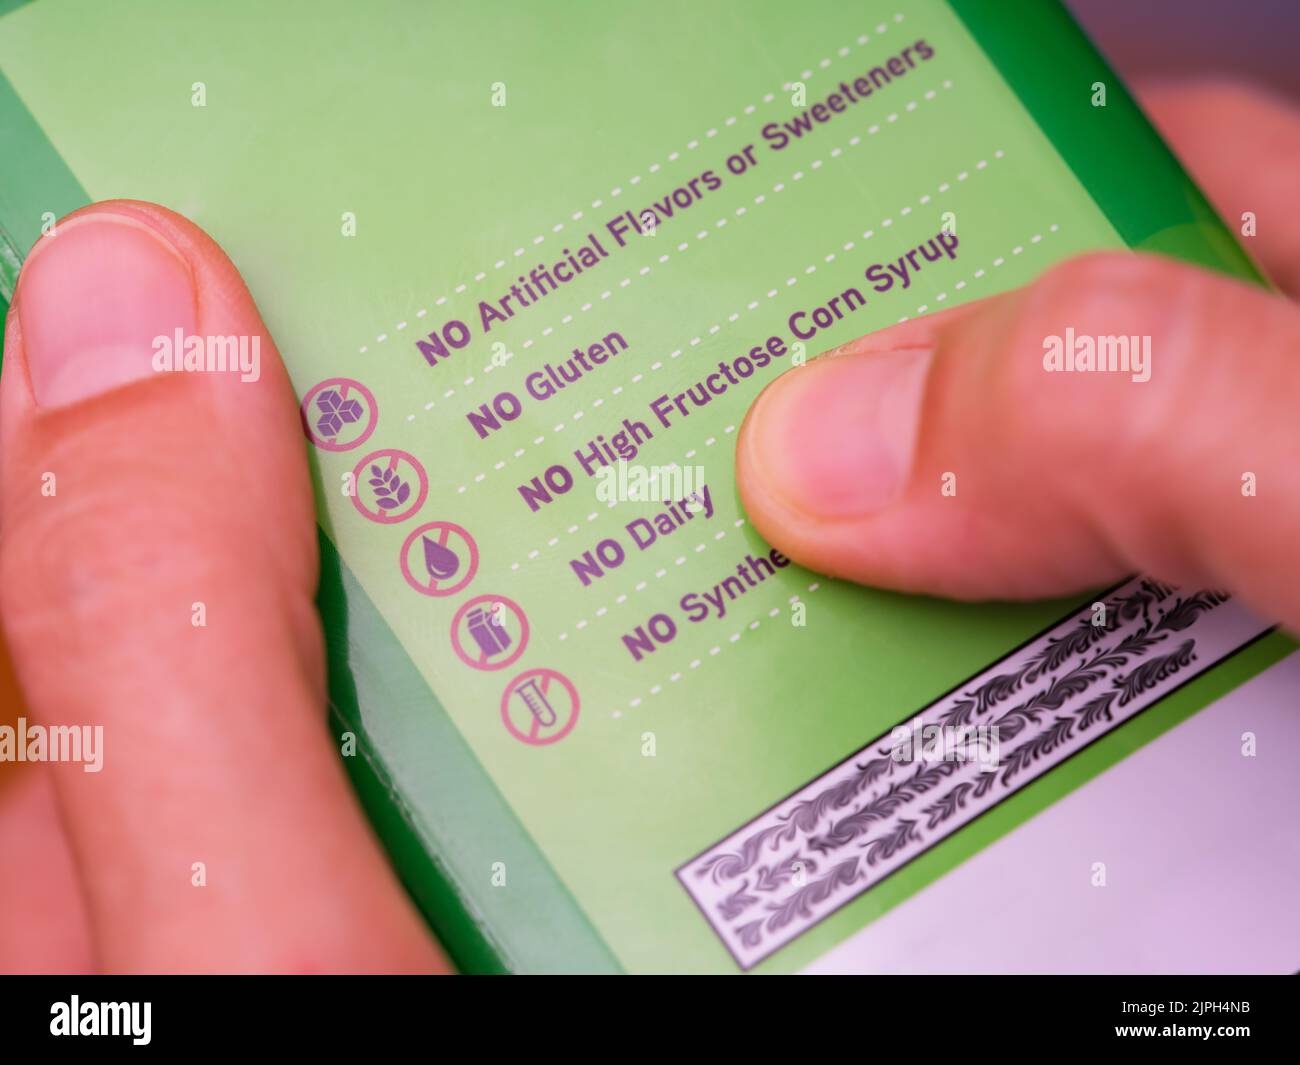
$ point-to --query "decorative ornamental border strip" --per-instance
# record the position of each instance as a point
(841, 834)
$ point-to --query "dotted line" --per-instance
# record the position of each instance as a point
(710, 441)
(703, 234)
(721, 223)
(844, 52)
(556, 539)
(660, 573)
(1001, 260)
(636, 179)
(713, 653)
(636, 378)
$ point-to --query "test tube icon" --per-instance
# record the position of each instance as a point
(536, 702)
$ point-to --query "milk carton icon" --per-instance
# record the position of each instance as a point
(489, 633)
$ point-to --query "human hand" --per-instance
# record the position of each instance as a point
(216, 748)
(170, 490)
(1065, 482)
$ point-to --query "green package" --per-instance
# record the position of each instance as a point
(528, 266)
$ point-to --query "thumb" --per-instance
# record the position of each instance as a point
(948, 455)
(128, 500)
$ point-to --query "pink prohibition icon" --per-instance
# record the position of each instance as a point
(540, 707)
(339, 414)
(439, 558)
(390, 485)
(489, 632)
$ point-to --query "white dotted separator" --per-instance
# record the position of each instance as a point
(1001, 260)
(554, 540)
(663, 571)
(713, 652)
(635, 179)
(681, 559)
(740, 212)
(753, 305)
(720, 223)
(660, 573)
(979, 274)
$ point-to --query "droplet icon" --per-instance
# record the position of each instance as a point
(441, 561)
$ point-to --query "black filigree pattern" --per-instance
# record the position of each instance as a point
(886, 846)
(1056, 698)
(948, 805)
(889, 802)
(1149, 674)
(772, 878)
(1096, 710)
(1038, 745)
(737, 902)
(1184, 612)
(801, 902)
(802, 819)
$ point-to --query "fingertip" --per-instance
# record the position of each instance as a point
(834, 439)
(92, 297)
